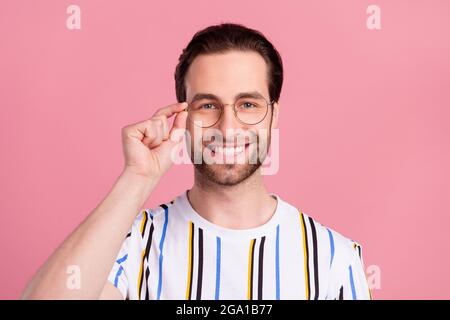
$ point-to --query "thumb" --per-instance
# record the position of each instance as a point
(180, 120)
(179, 126)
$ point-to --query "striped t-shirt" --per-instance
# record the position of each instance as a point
(171, 252)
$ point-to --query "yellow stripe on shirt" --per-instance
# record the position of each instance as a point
(250, 269)
(189, 276)
(305, 255)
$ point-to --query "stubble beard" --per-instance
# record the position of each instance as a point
(232, 174)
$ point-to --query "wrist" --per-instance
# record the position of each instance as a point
(131, 172)
(137, 181)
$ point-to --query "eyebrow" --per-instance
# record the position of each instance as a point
(252, 94)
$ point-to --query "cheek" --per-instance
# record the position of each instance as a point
(200, 137)
(191, 142)
(263, 128)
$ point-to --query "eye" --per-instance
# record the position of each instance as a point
(247, 105)
(208, 106)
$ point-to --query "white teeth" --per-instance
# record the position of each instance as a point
(227, 150)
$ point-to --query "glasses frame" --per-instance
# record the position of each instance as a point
(222, 107)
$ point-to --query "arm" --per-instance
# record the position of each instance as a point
(94, 244)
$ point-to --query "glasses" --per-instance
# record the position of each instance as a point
(207, 112)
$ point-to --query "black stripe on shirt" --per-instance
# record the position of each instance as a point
(200, 264)
(315, 255)
(307, 258)
(260, 268)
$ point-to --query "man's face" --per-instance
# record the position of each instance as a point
(237, 149)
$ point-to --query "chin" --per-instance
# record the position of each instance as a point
(226, 174)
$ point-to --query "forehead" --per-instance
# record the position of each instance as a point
(226, 74)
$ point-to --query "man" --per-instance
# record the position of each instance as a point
(227, 237)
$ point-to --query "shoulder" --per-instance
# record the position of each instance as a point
(149, 216)
(341, 247)
(153, 214)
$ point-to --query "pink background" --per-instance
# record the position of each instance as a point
(364, 121)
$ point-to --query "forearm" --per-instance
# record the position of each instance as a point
(93, 246)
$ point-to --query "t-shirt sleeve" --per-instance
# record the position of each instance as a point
(117, 275)
(352, 282)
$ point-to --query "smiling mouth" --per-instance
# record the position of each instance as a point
(228, 151)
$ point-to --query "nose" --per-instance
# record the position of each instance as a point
(228, 119)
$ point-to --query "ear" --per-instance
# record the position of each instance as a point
(276, 112)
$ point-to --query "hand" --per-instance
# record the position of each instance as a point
(148, 145)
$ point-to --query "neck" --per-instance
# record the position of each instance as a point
(243, 206)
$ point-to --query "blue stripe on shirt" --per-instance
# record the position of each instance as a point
(277, 263)
(218, 249)
(331, 246)
(161, 246)
(352, 285)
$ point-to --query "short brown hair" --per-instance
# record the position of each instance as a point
(225, 37)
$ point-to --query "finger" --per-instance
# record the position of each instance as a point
(165, 126)
(166, 129)
(158, 135)
(171, 109)
(179, 124)
(139, 130)
(149, 134)
(180, 120)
